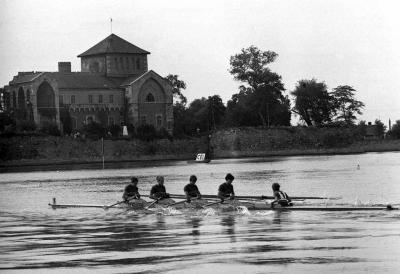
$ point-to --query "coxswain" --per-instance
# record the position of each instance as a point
(191, 190)
(280, 197)
(131, 191)
(158, 191)
(225, 190)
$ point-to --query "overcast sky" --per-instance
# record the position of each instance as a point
(348, 42)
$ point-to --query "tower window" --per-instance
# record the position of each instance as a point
(90, 99)
(72, 99)
(121, 60)
(61, 100)
(100, 98)
(116, 63)
(111, 98)
(138, 63)
(150, 97)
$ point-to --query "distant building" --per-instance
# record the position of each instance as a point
(113, 87)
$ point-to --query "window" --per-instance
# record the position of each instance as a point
(138, 63)
(111, 120)
(121, 60)
(169, 125)
(28, 95)
(116, 63)
(111, 98)
(72, 99)
(159, 120)
(127, 63)
(61, 100)
(150, 97)
(90, 99)
(89, 119)
(133, 63)
(143, 119)
(100, 98)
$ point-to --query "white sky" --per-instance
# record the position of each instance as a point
(340, 42)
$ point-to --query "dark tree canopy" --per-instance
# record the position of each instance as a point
(346, 105)
(313, 103)
(177, 87)
(260, 100)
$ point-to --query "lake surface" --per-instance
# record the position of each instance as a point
(35, 238)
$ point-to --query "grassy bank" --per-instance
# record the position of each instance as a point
(231, 143)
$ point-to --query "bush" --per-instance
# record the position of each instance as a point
(50, 129)
(25, 125)
(94, 131)
(146, 132)
(115, 130)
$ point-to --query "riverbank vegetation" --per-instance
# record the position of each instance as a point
(256, 121)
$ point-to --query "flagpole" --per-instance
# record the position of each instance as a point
(111, 24)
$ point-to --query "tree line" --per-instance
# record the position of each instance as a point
(262, 100)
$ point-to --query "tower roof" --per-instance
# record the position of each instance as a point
(113, 44)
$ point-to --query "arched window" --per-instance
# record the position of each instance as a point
(150, 97)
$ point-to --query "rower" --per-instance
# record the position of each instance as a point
(191, 190)
(225, 190)
(280, 197)
(131, 191)
(158, 191)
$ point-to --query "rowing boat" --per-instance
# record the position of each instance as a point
(233, 205)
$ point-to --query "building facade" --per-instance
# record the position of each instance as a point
(114, 86)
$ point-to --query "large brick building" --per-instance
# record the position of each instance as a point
(113, 87)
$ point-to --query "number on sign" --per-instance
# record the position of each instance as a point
(200, 157)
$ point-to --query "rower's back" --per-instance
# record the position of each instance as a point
(280, 197)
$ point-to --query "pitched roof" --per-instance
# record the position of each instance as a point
(113, 44)
(25, 77)
(84, 80)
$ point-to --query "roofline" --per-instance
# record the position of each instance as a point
(110, 53)
(33, 79)
(137, 79)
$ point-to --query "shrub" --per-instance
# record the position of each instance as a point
(146, 132)
(50, 129)
(25, 125)
(115, 130)
(94, 130)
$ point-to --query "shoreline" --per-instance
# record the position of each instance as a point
(75, 164)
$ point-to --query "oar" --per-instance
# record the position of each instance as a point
(213, 203)
(150, 205)
(262, 197)
(110, 206)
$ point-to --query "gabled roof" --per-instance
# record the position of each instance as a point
(84, 80)
(113, 44)
(25, 77)
(130, 80)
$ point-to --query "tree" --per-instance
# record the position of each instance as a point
(380, 128)
(395, 131)
(313, 103)
(261, 92)
(346, 105)
(177, 87)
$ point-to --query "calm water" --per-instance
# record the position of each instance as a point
(34, 237)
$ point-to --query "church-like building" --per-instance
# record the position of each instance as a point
(113, 87)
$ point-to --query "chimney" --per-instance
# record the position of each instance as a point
(64, 66)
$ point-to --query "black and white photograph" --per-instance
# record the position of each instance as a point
(213, 136)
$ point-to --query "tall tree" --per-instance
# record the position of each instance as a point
(346, 105)
(313, 103)
(261, 92)
(380, 128)
(177, 87)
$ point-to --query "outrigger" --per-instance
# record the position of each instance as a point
(251, 205)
